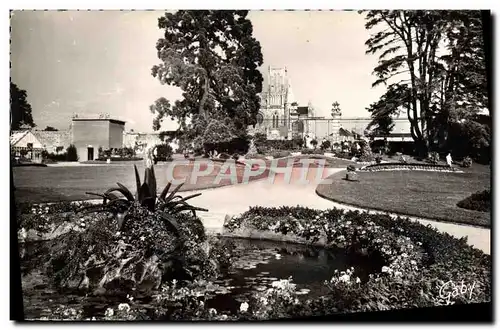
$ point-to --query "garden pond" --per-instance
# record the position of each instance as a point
(257, 264)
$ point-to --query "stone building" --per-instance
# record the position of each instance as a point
(89, 133)
(280, 115)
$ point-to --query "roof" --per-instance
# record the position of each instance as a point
(302, 110)
(16, 136)
(345, 132)
(115, 121)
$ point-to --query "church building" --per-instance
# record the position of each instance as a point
(280, 117)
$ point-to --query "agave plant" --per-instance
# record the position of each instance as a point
(165, 206)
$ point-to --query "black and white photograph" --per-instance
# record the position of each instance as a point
(232, 165)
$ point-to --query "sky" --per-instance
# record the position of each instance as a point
(100, 62)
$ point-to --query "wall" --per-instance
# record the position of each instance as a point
(87, 133)
(116, 130)
(53, 139)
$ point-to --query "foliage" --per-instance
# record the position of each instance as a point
(307, 151)
(50, 129)
(314, 143)
(378, 159)
(433, 64)
(145, 200)
(163, 152)
(467, 162)
(365, 152)
(479, 201)
(220, 137)
(71, 154)
(325, 145)
(470, 138)
(213, 58)
(265, 146)
(116, 153)
(351, 168)
(433, 157)
(418, 260)
(20, 109)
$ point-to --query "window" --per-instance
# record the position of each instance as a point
(260, 118)
(29, 145)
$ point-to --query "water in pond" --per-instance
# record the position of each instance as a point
(257, 265)
(262, 262)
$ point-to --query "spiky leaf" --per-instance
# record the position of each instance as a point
(124, 190)
(137, 182)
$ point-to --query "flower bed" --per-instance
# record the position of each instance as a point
(419, 261)
(408, 166)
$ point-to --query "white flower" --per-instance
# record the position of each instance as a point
(277, 256)
(212, 312)
(23, 233)
(142, 238)
(124, 307)
(223, 317)
(109, 312)
(345, 278)
(397, 273)
(117, 233)
(413, 262)
(244, 307)
(385, 269)
(404, 255)
(358, 280)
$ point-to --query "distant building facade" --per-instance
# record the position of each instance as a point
(91, 133)
(280, 115)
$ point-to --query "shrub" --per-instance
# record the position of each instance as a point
(479, 201)
(378, 159)
(164, 152)
(72, 155)
(311, 152)
(365, 152)
(314, 143)
(351, 168)
(325, 145)
(467, 162)
(433, 157)
(126, 208)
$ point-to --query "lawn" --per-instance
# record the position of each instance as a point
(50, 184)
(431, 195)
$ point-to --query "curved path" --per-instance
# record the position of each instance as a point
(233, 200)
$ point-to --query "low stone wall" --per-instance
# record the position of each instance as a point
(256, 234)
(409, 167)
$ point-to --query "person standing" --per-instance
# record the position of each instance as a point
(449, 160)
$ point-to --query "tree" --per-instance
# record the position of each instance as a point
(50, 129)
(20, 109)
(382, 111)
(431, 54)
(213, 58)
